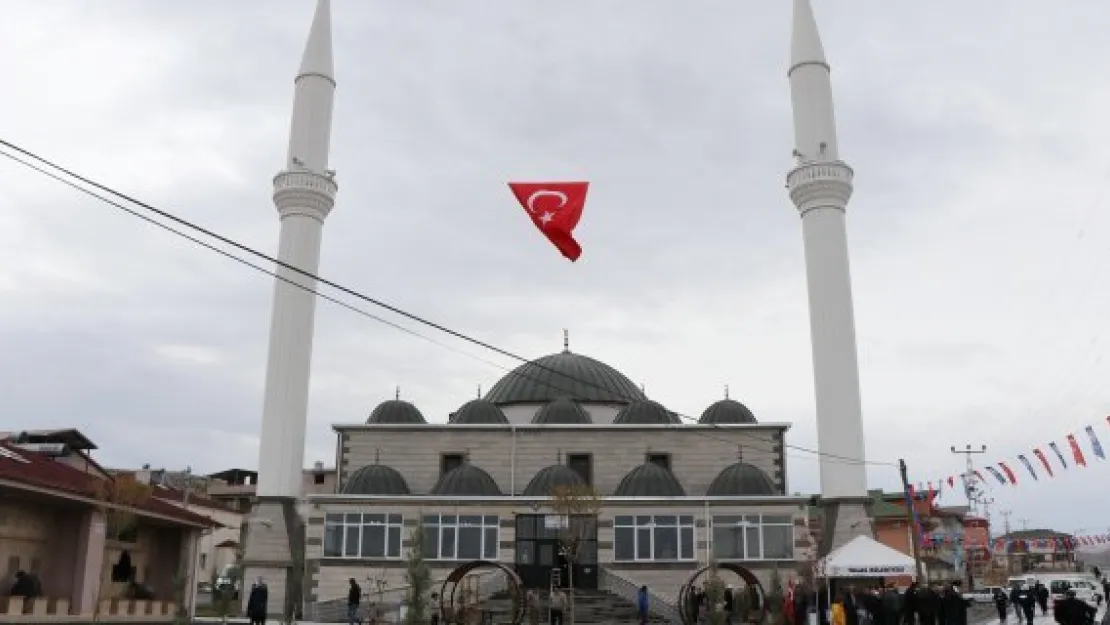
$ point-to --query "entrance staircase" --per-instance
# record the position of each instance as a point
(591, 607)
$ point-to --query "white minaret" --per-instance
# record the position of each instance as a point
(820, 186)
(304, 193)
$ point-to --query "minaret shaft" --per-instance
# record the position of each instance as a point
(820, 187)
(304, 193)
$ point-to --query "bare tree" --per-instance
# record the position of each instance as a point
(577, 506)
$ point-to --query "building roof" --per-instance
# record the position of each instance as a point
(727, 411)
(1033, 534)
(645, 412)
(741, 479)
(649, 480)
(236, 476)
(396, 411)
(466, 480)
(564, 374)
(563, 411)
(34, 470)
(544, 483)
(71, 437)
(376, 479)
(479, 411)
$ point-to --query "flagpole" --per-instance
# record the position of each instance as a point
(911, 517)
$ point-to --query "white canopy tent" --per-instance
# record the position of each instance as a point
(864, 556)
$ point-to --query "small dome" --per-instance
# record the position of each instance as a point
(466, 480)
(479, 411)
(548, 479)
(396, 411)
(727, 411)
(565, 373)
(376, 479)
(741, 479)
(561, 411)
(645, 412)
(649, 480)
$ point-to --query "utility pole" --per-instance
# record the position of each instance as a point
(1005, 545)
(973, 491)
(910, 519)
(1024, 524)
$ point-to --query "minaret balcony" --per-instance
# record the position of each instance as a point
(826, 184)
(304, 192)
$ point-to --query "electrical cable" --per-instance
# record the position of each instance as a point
(389, 307)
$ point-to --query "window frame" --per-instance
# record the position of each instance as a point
(682, 524)
(740, 539)
(589, 458)
(392, 524)
(654, 457)
(435, 522)
(444, 456)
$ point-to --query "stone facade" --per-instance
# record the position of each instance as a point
(512, 455)
(328, 576)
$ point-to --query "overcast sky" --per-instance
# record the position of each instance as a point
(978, 229)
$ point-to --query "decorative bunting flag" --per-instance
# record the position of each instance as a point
(951, 482)
(1076, 452)
(967, 487)
(980, 476)
(1028, 465)
(1008, 472)
(555, 208)
(1058, 454)
(998, 476)
(1095, 445)
(1044, 461)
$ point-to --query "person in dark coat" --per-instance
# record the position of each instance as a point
(927, 605)
(730, 605)
(1028, 602)
(1040, 591)
(851, 609)
(955, 606)
(909, 605)
(354, 597)
(1002, 604)
(940, 593)
(257, 602)
(892, 606)
(1015, 601)
(1072, 611)
(823, 606)
(801, 606)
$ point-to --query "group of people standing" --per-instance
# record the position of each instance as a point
(919, 605)
(1025, 600)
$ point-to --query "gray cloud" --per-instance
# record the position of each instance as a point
(976, 228)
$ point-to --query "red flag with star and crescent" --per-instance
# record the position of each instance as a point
(555, 208)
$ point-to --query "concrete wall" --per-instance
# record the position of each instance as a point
(698, 453)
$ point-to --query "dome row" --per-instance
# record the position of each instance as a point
(564, 410)
(647, 480)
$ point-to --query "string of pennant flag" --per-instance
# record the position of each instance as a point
(1003, 474)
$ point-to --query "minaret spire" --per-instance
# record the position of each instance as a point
(304, 193)
(566, 340)
(820, 186)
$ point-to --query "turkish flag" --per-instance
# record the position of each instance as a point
(555, 208)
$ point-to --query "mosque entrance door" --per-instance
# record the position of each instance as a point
(540, 550)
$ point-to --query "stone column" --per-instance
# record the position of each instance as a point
(88, 563)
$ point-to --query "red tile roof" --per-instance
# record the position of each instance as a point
(37, 470)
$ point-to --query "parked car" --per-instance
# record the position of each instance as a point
(1085, 590)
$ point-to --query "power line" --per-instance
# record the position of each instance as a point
(346, 290)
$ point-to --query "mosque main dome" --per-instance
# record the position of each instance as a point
(561, 375)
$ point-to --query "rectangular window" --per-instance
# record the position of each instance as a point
(583, 465)
(653, 538)
(449, 462)
(466, 537)
(660, 459)
(753, 537)
(318, 478)
(362, 536)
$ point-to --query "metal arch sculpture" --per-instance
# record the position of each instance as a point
(687, 589)
(447, 601)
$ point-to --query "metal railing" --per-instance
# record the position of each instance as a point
(388, 602)
(629, 591)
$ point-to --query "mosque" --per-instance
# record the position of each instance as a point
(674, 494)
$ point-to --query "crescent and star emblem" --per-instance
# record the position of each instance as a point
(547, 216)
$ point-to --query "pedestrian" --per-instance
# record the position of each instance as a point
(1040, 591)
(955, 606)
(839, 615)
(1028, 604)
(892, 606)
(909, 605)
(354, 596)
(1015, 600)
(1002, 604)
(730, 603)
(642, 605)
(558, 606)
(257, 602)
